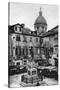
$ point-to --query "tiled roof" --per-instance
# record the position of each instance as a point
(24, 30)
(51, 32)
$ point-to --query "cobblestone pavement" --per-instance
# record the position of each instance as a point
(15, 81)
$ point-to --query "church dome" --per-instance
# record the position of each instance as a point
(40, 19)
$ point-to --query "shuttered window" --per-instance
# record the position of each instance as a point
(18, 38)
(18, 51)
(25, 51)
(30, 39)
(36, 39)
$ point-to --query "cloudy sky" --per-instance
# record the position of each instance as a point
(27, 14)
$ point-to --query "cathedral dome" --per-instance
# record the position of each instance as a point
(40, 19)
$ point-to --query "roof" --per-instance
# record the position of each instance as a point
(24, 30)
(51, 32)
(40, 20)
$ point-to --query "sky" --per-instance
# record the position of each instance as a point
(27, 13)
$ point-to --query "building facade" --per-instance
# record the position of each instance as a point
(24, 42)
(49, 46)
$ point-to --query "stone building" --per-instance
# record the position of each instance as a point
(24, 42)
(50, 43)
(25, 39)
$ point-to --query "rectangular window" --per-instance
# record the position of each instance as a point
(31, 32)
(25, 51)
(51, 49)
(37, 28)
(18, 51)
(15, 28)
(35, 32)
(25, 62)
(29, 73)
(18, 63)
(18, 38)
(24, 39)
(36, 39)
(33, 72)
(30, 39)
(36, 50)
(20, 29)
